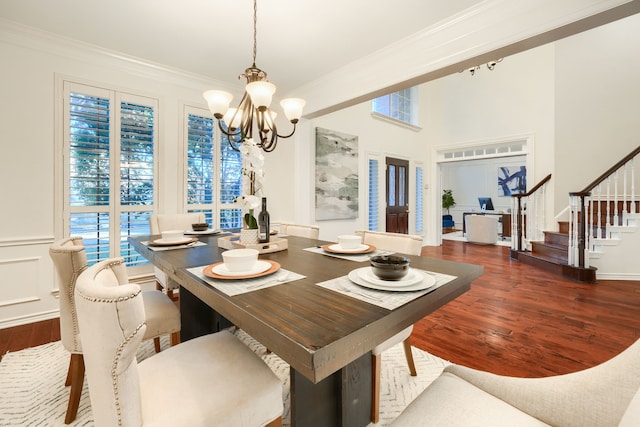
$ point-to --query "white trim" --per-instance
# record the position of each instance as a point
(402, 123)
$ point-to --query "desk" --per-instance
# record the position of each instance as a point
(325, 336)
(505, 218)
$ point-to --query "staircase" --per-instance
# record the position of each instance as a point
(601, 217)
(551, 254)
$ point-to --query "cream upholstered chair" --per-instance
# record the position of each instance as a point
(406, 244)
(164, 222)
(70, 259)
(482, 229)
(310, 231)
(605, 395)
(213, 380)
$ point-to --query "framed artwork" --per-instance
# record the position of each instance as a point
(336, 183)
(512, 180)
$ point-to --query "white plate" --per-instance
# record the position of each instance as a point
(259, 267)
(421, 281)
(337, 247)
(172, 242)
(207, 231)
(411, 278)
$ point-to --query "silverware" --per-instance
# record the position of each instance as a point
(282, 278)
(354, 291)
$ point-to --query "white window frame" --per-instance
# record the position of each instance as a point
(413, 122)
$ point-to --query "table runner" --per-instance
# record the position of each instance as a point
(385, 299)
(241, 286)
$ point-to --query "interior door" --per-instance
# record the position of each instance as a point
(397, 214)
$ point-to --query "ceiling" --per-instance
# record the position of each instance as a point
(297, 41)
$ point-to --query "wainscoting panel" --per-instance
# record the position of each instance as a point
(28, 288)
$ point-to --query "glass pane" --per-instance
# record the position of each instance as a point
(89, 167)
(136, 154)
(93, 227)
(230, 218)
(208, 215)
(200, 160)
(133, 224)
(230, 174)
(391, 189)
(402, 175)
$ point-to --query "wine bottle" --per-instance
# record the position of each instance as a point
(263, 223)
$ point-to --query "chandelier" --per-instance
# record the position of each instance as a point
(253, 109)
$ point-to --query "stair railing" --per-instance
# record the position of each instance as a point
(529, 220)
(604, 204)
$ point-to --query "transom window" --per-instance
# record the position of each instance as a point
(401, 106)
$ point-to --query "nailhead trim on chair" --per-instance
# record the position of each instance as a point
(114, 366)
(114, 369)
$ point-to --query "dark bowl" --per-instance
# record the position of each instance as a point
(200, 226)
(390, 267)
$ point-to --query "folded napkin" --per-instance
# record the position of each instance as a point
(354, 257)
(169, 248)
(233, 287)
(385, 299)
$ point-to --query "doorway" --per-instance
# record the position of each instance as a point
(397, 196)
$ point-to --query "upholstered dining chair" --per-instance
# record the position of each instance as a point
(164, 222)
(407, 244)
(214, 380)
(300, 230)
(70, 259)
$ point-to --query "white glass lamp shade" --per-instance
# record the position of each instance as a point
(233, 119)
(261, 93)
(218, 101)
(293, 108)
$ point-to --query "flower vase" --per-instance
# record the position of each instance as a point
(249, 236)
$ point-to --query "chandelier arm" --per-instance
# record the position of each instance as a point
(287, 136)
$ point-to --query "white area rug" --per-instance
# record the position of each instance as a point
(32, 391)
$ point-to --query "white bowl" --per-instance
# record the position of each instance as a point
(347, 241)
(172, 235)
(240, 259)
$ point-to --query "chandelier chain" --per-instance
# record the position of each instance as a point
(255, 31)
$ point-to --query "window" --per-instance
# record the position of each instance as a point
(401, 106)
(419, 195)
(110, 139)
(214, 197)
(373, 219)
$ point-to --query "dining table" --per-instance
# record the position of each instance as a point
(311, 309)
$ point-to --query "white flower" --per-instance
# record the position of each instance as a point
(247, 202)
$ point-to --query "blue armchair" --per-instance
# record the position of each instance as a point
(447, 221)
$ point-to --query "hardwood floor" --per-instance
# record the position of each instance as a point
(516, 319)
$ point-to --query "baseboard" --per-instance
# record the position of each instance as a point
(31, 318)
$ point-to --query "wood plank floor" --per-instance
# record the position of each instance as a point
(516, 319)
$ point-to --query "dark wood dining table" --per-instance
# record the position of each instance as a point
(326, 337)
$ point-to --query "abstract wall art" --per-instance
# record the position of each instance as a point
(512, 180)
(336, 183)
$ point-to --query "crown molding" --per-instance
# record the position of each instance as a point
(75, 50)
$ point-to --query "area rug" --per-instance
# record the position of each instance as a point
(32, 391)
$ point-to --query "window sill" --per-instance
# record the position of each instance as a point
(401, 123)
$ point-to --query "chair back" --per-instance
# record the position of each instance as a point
(309, 231)
(163, 222)
(397, 242)
(482, 229)
(112, 319)
(70, 259)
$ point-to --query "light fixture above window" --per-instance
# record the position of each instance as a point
(490, 65)
(253, 109)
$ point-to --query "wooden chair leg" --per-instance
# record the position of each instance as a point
(156, 344)
(409, 355)
(275, 423)
(175, 338)
(76, 372)
(375, 387)
(170, 294)
(159, 286)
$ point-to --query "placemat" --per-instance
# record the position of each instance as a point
(354, 257)
(170, 248)
(241, 286)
